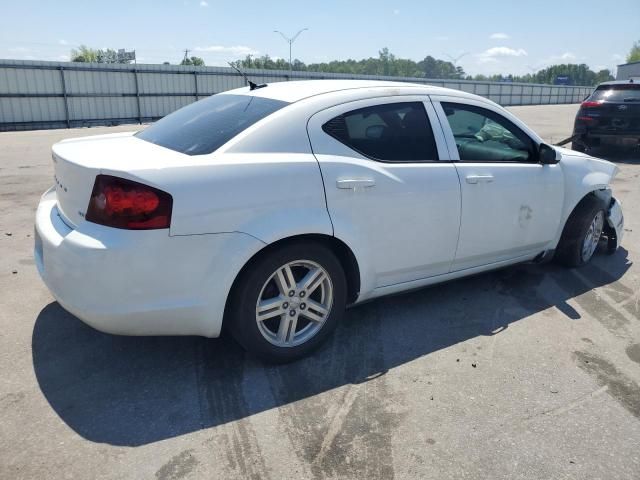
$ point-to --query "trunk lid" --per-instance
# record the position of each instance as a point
(78, 161)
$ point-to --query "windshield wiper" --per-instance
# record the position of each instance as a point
(252, 85)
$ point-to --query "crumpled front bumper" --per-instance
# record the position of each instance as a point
(615, 219)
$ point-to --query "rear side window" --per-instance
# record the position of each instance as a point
(203, 127)
(617, 93)
(391, 132)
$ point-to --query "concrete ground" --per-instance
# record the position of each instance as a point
(528, 372)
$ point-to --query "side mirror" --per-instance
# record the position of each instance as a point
(547, 155)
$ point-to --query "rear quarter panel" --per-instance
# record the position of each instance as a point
(268, 196)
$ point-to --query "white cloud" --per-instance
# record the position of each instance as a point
(618, 58)
(62, 42)
(203, 3)
(19, 49)
(231, 50)
(499, 36)
(442, 38)
(396, 12)
(566, 57)
(493, 55)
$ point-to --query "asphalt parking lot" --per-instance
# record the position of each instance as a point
(528, 372)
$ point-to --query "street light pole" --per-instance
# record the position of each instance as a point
(455, 60)
(290, 42)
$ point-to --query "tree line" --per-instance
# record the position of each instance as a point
(387, 64)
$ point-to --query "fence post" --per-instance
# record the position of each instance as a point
(195, 83)
(64, 94)
(135, 76)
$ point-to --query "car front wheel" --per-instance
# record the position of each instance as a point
(581, 233)
(288, 301)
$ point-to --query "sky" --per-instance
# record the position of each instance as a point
(488, 37)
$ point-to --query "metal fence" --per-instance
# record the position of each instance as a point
(36, 94)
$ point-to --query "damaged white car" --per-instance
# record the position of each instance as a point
(273, 207)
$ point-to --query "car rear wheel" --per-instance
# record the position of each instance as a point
(288, 301)
(582, 233)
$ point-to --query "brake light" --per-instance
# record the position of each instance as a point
(591, 104)
(120, 203)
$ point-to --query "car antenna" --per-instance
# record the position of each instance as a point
(252, 85)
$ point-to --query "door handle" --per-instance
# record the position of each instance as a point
(355, 183)
(473, 179)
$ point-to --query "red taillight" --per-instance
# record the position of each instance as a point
(120, 203)
(591, 104)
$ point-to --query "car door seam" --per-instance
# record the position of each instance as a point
(324, 184)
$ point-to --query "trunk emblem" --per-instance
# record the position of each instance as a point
(622, 107)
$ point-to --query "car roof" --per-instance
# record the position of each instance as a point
(298, 90)
(617, 82)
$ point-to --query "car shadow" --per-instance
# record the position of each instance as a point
(132, 391)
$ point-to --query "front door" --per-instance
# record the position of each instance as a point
(510, 202)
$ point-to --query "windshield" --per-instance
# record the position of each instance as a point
(617, 93)
(203, 127)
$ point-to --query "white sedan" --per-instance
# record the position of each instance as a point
(273, 208)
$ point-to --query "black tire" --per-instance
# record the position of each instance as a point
(569, 251)
(242, 307)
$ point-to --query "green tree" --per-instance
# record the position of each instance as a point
(634, 53)
(84, 54)
(603, 76)
(195, 61)
(87, 54)
(385, 64)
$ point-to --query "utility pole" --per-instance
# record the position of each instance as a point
(290, 42)
(186, 55)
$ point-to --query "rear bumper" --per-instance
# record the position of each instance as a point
(621, 139)
(138, 282)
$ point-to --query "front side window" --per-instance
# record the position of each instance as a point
(391, 132)
(483, 135)
(204, 126)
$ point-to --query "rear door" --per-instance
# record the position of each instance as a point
(388, 195)
(511, 204)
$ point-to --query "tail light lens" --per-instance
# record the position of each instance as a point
(120, 203)
(587, 114)
(591, 104)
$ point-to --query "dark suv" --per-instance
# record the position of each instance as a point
(610, 116)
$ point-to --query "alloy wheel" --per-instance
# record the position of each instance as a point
(592, 237)
(294, 303)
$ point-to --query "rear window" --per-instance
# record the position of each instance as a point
(204, 126)
(617, 93)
